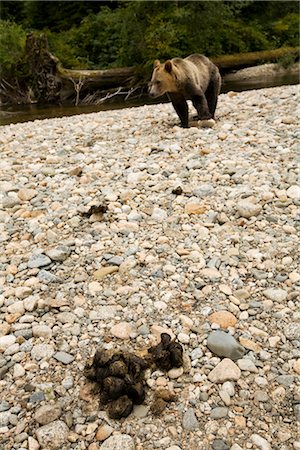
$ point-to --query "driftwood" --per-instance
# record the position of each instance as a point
(47, 81)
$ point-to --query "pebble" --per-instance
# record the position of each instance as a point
(248, 209)
(59, 253)
(39, 261)
(199, 236)
(118, 442)
(291, 331)
(63, 357)
(47, 413)
(219, 412)
(223, 318)
(104, 271)
(6, 341)
(4, 418)
(104, 432)
(223, 344)
(122, 330)
(247, 365)
(226, 370)
(189, 420)
(41, 351)
(53, 436)
(27, 194)
(42, 331)
(260, 442)
(277, 295)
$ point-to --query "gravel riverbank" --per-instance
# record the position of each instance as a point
(201, 232)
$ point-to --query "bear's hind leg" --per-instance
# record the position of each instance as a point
(181, 107)
(200, 104)
(212, 93)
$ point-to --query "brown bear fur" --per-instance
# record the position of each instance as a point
(193, 78)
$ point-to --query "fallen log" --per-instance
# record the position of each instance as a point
(239, 61)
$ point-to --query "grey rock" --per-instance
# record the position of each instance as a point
(66, 317)
(277, 295)
(41, 351)
(53, 436)
(144, 330)
(118, 442)
(203, 190)
(103, 313)
(4, 406)
(59, 253)
(297, 412)
(38, 261)
(63, 357)
(248, 209)
(261, 396)
(247, 365)
(47, 413)
(292, 331)
(47, 277)
(36, 397)
(190, 421)
(10, 201)
(219, 444)
(223, 344)
(286, 380)
(219, 412)
(115, 261)
(4, 418)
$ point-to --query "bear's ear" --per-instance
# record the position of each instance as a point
(156, 63)
(168, 66)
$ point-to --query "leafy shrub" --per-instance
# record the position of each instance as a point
(12, 45)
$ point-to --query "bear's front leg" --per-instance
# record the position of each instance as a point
(181, 107)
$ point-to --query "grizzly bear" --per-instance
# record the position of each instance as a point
(193, 78)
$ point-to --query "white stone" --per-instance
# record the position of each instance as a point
(277, 295)
(19, 371)
(260, 442)
(7, 341)
(293, 192)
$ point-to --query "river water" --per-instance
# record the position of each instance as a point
(25, 113)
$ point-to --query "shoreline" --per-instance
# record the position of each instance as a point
(221, 252)
(251, 78)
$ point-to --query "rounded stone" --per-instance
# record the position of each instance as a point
(118, 442)
(223, 344)
(122, 330)
(226, 370)
(224, 319)
(6, 341)
(41, 351)
(47, 413)
(248, 209)
(53, 436)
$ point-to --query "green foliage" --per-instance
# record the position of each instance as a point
(12, 45)
(87, 34)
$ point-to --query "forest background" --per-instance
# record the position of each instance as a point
(107, 34)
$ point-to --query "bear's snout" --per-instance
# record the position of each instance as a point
(152, 90)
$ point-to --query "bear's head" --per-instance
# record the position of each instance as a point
(163, 79)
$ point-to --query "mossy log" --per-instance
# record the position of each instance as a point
(86, 82)
(239, 61)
